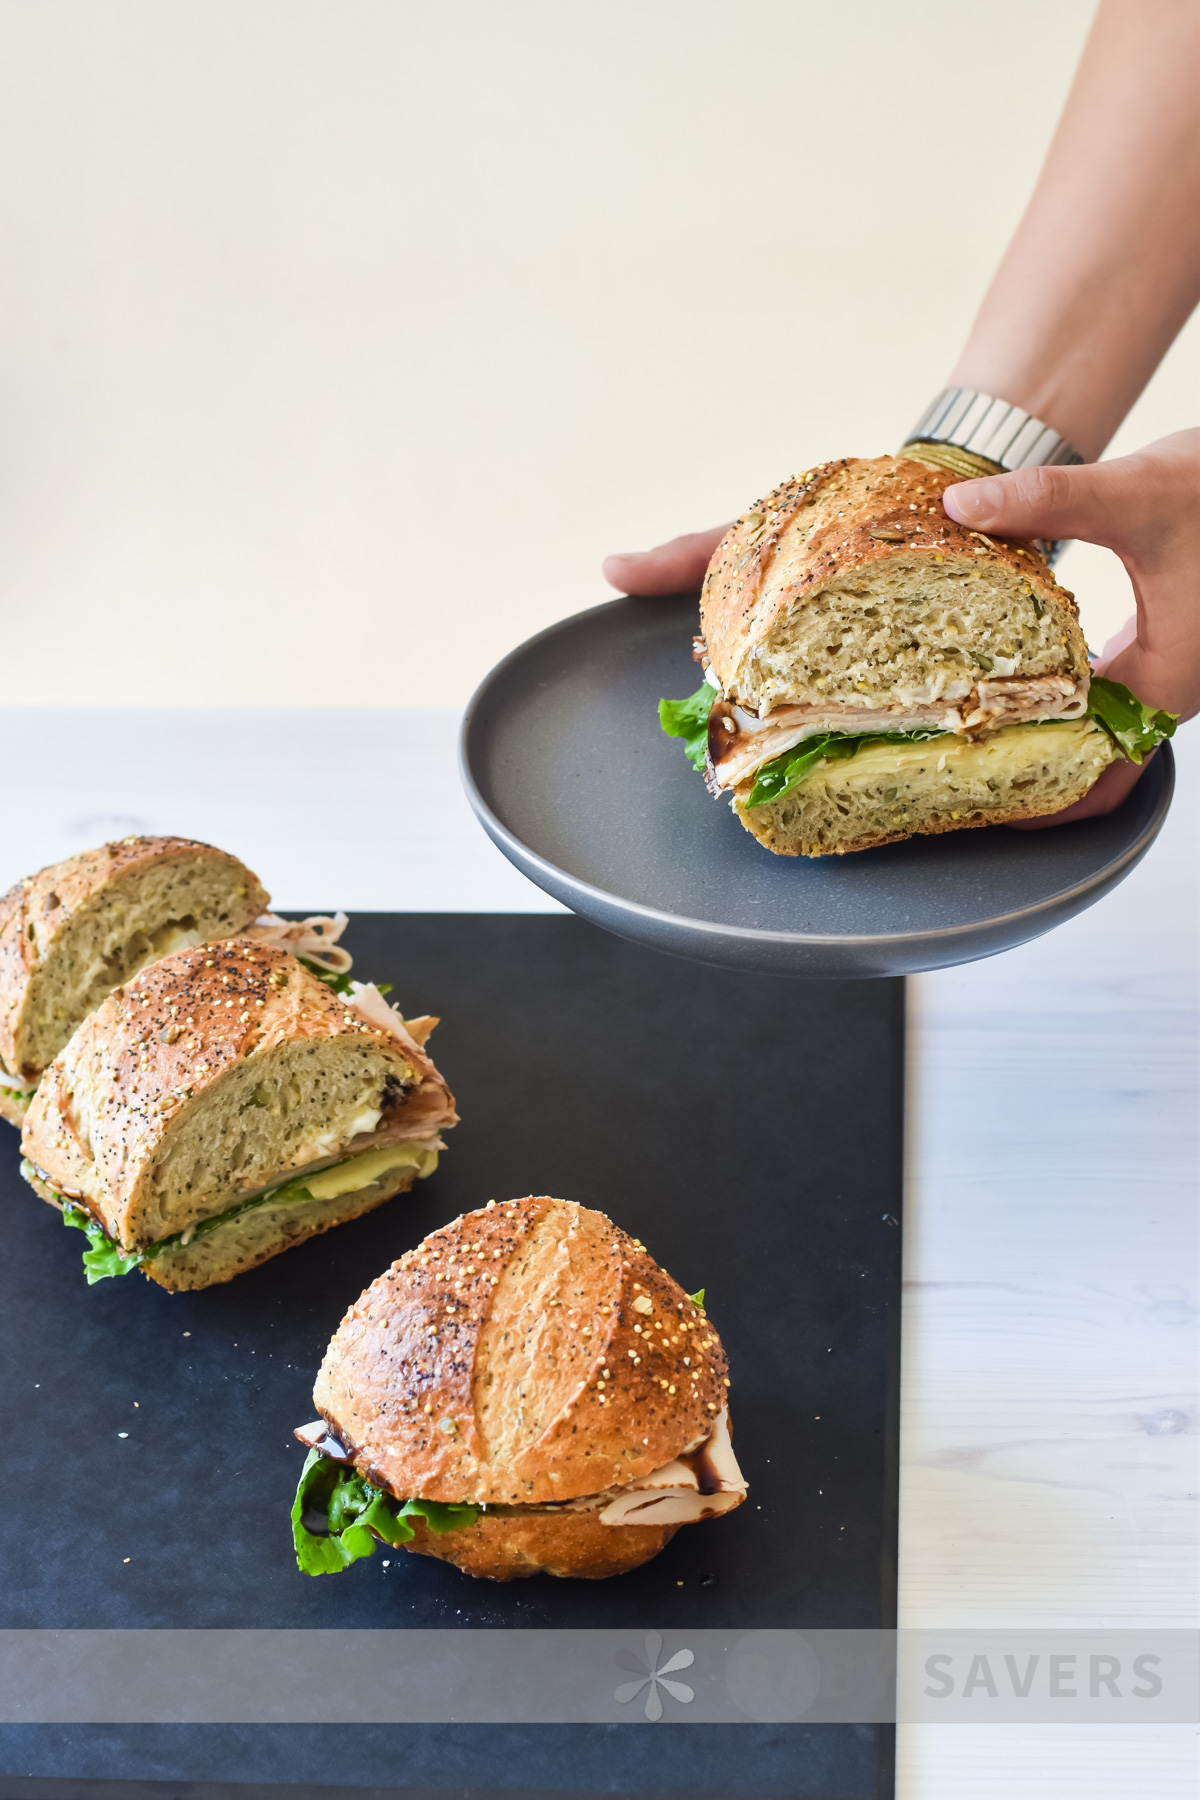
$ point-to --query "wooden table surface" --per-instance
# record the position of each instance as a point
(1050, 1473)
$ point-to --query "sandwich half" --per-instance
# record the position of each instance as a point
(874, 670)
(525, 1393)
(76, 930)
(226, 1104)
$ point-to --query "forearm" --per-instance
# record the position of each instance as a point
(1105, 266)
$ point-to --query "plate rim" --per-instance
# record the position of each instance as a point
(525, 857)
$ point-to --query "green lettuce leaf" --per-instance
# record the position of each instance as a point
(440, 1515)
(1134, 728)
(786, 771)
(688, 719)
(326, 1554)
(697, 1298)
(356, 1516)
(339, 983)
(104, 1258)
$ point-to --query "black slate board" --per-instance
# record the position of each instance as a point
(747, 1128)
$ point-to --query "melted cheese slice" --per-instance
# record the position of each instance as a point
(361, 1171)
(1003, 757)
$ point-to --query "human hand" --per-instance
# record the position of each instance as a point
(675, 568)
(1146, 507)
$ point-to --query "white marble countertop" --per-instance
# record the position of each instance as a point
(1051, 1418)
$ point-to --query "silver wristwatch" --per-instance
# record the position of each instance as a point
(975, 434)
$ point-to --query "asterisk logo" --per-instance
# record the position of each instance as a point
(652, 1677)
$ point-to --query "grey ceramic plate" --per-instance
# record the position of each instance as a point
(570, 775)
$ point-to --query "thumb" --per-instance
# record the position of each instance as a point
(1085, 501)
(674, 568)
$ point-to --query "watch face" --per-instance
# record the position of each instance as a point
(941, 455)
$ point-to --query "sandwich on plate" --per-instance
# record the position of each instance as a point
(225, 1104)
(525, 1393)
(72, 933)
(874, 670)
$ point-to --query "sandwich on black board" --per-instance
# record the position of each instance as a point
(525, 1393)
(226, 1104)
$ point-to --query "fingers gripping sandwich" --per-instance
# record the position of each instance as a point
(226, 1104)
(72, 933)
(875, 670)
(525, 1392)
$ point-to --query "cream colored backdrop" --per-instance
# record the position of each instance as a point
(339, 339)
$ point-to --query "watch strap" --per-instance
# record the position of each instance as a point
(975, 434)
(993, 431)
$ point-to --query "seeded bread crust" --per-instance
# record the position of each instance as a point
(37, 915)
(849, 518)
(508, 1547)
(496, 1398)
(110, 1104)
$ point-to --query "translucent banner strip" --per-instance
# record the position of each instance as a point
(598, 1677)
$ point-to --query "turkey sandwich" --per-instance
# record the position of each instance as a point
(525, 1392)
(874, 670)
(224, 1105)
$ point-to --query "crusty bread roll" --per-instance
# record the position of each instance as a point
(532, 1360)
(849, 591)
(848, 603)
(182, 1105)
(76, 930)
